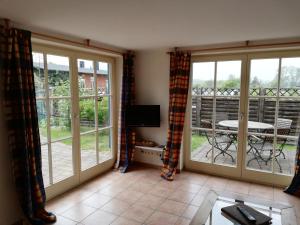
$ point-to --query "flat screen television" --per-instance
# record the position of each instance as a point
(143, 116)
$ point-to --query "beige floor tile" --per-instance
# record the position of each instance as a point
(161, 192)
(111, 190)
(283, 197)
(99, 217)
(129, 196)
(197, 201)
(216, 183)
(261, 191)
(141, 187)
(183, 221)
(190, 187)
(173, 207)
(64, 221)
(182, 196)
(161, 218)
(116, 206)
(190, 211)
(169, 184)
(78, 212)
(199, 179)
(97, 200)
(150, 201)
(238, 187)
(138, 213)
(124, 221)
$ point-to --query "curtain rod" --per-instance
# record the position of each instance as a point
(245, 46)
(86, 44)
(7, 25)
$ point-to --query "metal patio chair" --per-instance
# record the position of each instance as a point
(220, 140)
(260, 145)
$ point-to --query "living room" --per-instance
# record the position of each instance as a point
(238, 134)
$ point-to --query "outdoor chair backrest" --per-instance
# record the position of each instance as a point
(207, 124)
(283, 128)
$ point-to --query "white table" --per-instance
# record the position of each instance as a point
(251, 124)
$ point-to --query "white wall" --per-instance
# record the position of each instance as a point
(152, 87)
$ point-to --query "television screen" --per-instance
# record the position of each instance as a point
(143, 116)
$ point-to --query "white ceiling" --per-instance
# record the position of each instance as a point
(146, 24)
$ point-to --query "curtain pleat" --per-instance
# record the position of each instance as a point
(126, 134)
(178, 94)
(22, 124)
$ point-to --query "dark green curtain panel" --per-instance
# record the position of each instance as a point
(22, 123)
(294, 188)
(178, 94)
(126, 134)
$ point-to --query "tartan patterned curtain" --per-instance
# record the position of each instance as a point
(179, 87)
(22, 123)
(126, 135)
(294, 188)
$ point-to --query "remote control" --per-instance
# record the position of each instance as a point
(246, 214)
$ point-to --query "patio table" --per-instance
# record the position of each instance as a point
(253, 125)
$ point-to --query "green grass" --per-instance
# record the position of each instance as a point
(197, 141)
(87, 141)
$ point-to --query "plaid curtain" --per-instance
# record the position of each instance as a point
(179, 87)
(126, 134)
(22, 123)
(294, 188)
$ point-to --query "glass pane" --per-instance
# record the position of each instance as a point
(62, 160)
(58, 75)
(228, 78)
(203, 78)
(103, 78)
(88, 151)
(290, 77)
(87, 114)
(42, 118)
(260, 152)
(201, 145)
(60, 118)
(202, 111)
(104, 111)
(86, 80)
(39, 76)
(261, 124)
(45, 165)
(288, 129)
(264, 77)
(105, 145)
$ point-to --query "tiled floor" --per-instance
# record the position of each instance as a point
(142, 197)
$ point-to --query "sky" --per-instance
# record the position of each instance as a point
(61, 60)
(264, 69)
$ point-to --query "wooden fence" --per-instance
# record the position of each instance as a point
(262, 105)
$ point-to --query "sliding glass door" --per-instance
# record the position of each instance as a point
(74, 110)
(215, 108)
(274, 104)
(244, 116)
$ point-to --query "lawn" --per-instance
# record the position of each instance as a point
(87, 141)
(197, 141)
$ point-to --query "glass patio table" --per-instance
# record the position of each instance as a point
(209, 212)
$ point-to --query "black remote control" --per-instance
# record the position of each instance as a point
(246, 214)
